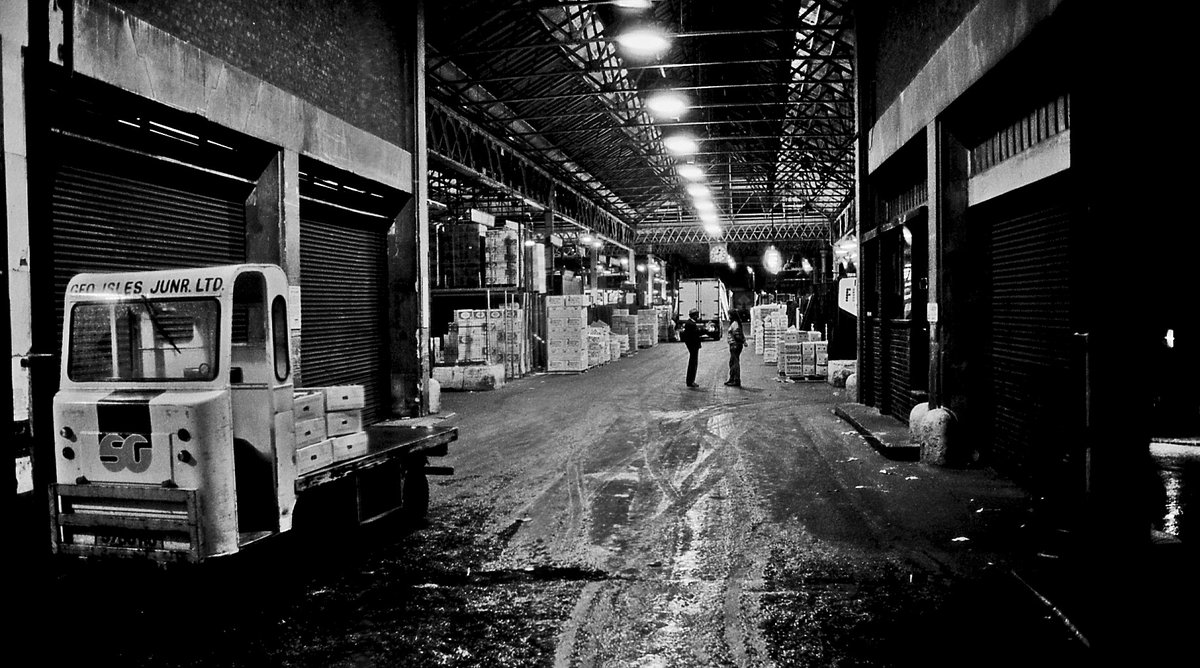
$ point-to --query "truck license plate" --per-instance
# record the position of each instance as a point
(138, 542)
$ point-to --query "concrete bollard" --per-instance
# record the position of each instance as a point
(938, 431)
(915, 418)
(852, 387)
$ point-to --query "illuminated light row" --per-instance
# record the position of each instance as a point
(670, 104)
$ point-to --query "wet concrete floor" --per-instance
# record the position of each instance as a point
(615, 518)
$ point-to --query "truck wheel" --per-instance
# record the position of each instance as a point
(415, 495)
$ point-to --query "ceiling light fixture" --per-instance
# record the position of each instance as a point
(772, 260)
(633, 4)
(667, 104)
(699, 191)
(644, 42)
(690, 172)
(704, 205)
(713, 229)
(681, 144)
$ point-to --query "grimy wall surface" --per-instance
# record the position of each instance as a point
(347, 58)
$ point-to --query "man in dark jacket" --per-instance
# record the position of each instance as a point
(691, 337)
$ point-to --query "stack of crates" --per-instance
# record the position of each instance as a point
(614, 347)
(502, 257)
(790, 353)
(664, 324)
(566, 329)
(598, 349)
(624, 326)
(647, 328)
(758, 316)
(774, 325)
(807, 358)
(488, 336)
(329, 425)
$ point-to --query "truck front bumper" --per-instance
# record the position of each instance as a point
(125, 521)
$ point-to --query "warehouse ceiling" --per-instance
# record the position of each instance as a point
(528, 92)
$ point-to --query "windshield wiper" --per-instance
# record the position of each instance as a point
(150, 308)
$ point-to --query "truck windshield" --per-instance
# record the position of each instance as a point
(144, 340)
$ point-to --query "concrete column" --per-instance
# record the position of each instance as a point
(408, 248)
(594, 261)
(264, 216)
(549, 250)
(949, 269)
(14, 33)
(864, 116)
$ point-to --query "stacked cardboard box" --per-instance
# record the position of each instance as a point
(758, 316)
(329, 425)
(488, 336)
(625, 326)
(789, 357)
(566, 328)
(774, 325)
(474, 377)
(614, 348)
(502, 256)
(804, 359)
(664, 324)
(597, 344)
(647, 328)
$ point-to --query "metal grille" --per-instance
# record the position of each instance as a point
(899, 371)
(117, 211)
(1026, 312)
(343, 309)
(877, 395)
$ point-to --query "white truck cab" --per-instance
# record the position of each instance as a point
(174, 426)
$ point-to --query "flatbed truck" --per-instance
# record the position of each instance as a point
(176, 423)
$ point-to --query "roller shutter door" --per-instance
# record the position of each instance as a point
(112, 210)
(1025, 362)
(343, 310)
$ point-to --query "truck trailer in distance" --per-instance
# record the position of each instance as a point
(710, 297)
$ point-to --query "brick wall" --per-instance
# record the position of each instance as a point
(343, 56)
(899, 36)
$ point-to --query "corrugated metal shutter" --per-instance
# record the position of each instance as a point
(1026, 310)
(113, 210)
(899, 400)
(875, 395)
(343, 310)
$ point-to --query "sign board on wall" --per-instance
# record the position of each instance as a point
(848, 295)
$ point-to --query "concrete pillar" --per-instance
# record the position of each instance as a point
(408, 246)
(949, 269)
(864, 117)
(594, 261)
(14, 33)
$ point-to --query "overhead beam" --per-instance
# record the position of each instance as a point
(752, 231)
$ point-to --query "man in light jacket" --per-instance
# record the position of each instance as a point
(737, 340)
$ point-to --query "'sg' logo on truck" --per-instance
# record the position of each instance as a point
(132, 452)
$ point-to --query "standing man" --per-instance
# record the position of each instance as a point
(737, 340)
(691, 337)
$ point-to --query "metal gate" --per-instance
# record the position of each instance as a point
(116, 210)
(344, 316)
(1023, 362)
